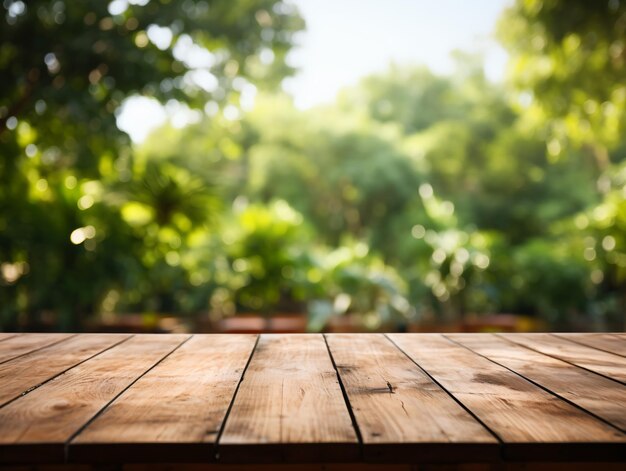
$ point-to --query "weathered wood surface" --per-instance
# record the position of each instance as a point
(37, 426)
(289, 405)
(598, 395)
(30, 370)
(399, 410)
(6, 336)
(528, 419)
(193, 387)
(612, 343)
(601, 362)
(280, 399)
(19, 345)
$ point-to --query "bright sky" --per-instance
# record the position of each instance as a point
(349, 39)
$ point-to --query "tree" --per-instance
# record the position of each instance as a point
(435, 202)
(569, 62)
(65, 69)
(569, 65)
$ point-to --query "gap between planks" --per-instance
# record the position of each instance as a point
(176, 409)
(402, 413)
(16, 362)
(607, 367)
(30, 343)
(346, 399)
(7, 335)
(536, 383)
(289, 407)
(467, 409)
(502, 399)
(232, 400)
(608, 342)
(36, 428)
(128, 386)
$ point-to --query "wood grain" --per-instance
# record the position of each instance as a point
(6, 335)
(177, 408)
(14, 347)
(604, 363)
(289, 406)
(530, 421)
(170, 398)
(35, 427)
(596, 394)
(402, 414)
(611, 343)
(30, 370)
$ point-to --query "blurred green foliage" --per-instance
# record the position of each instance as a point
(80, 219)
(266, 248)
(414, 197)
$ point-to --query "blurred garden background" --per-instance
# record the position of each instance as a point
(415, 200)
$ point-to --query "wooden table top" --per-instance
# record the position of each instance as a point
(337, 398)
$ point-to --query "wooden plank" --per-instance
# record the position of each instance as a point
(35, 428)
(532, 423)
(608, 342)
(596, 394)
(6, 335)
(289, 406)
(175, 411)
(22, 344)
(29, 371)
(402, 414)
(604, 363)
